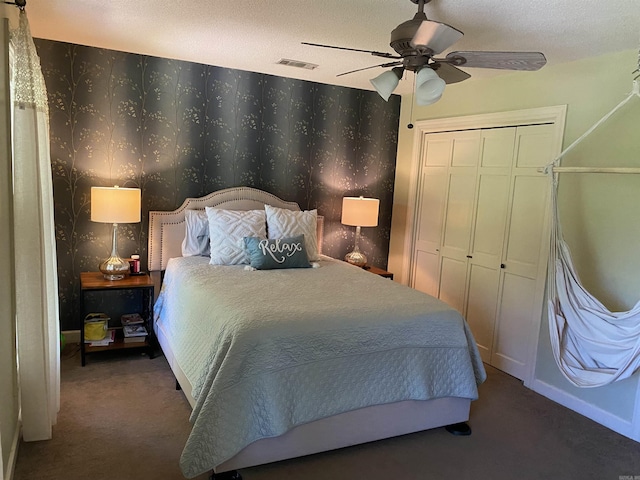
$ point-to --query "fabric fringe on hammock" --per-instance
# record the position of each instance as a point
(592, 345)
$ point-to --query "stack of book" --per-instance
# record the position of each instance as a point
(133, 328)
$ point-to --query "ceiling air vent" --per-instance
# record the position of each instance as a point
(297, 64)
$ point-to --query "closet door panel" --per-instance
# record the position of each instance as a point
(523, 278)
(453, 275)
(490, 215)
(481, 307)
(466, 147)
(490, 219)
(494, 179)
(456, 238)
(426, 273)
(534, 146)
(444, 220)
(431, 210)
(459, 214)
(511, 341)
(526, 225)
(438, 148)
(497, 148)
(459, 204)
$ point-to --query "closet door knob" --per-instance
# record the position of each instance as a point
(502, 265)
(469, 256)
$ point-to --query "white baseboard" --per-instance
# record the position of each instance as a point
(13, 453)
(617, 424)
(71, 336)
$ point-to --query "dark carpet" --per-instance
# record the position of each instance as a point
(122, 419)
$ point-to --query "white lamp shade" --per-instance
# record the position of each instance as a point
(385, 83)
(360, 211)
(429, 87)
(115, 205)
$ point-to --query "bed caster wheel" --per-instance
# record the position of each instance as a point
(461, 429)
(230, 475)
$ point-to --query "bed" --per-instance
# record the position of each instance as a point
(281, 363)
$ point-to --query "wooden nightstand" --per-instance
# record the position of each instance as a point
(379, 271)
(91, 282)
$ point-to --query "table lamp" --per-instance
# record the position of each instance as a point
(115, 205)
(359, 212)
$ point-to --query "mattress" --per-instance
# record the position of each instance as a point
(268, 350)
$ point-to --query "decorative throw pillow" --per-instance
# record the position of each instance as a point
(282, 223)
(227, 229)
(279, 253)
(196, 238)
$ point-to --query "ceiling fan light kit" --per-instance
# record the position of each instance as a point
(416, 41)
(386, 82)
(429, 87)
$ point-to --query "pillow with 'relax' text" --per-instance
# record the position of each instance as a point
(267, 254)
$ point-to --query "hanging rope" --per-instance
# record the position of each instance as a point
(635, 92)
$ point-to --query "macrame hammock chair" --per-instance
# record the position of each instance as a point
(592, 345)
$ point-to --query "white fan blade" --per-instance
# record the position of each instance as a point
(435, 36)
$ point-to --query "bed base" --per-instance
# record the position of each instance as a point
(343, 430)
(166, 231)
(352, 428)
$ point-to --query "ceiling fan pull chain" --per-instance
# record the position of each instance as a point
(413, 100)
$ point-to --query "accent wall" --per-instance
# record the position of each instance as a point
(177, 129)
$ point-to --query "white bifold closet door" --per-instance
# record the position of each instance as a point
(480, 241)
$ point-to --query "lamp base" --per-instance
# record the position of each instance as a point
(114, 268)
(356, 258)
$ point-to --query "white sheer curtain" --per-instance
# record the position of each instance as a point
(38, 329)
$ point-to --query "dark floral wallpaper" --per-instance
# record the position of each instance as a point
(177, 129)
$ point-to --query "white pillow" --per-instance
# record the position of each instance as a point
(196, 238)
(227, 229)
(282, 223)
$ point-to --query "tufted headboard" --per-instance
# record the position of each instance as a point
(167, 229)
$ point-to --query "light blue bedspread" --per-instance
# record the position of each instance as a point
(269, 350)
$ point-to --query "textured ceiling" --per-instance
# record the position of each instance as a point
(254, 35)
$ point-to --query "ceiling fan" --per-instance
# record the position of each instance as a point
(416, 43)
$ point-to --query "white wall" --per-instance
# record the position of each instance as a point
(600, 213)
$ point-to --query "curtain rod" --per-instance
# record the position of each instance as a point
(590, 170)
